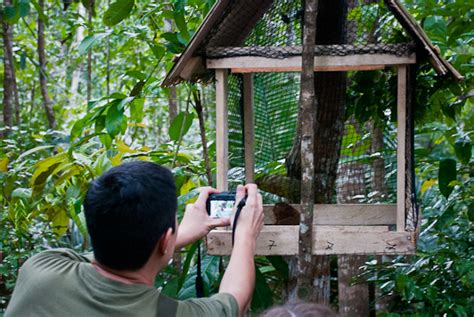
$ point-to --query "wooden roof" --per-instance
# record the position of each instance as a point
(228, 12)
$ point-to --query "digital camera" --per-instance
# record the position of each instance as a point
(221, 205)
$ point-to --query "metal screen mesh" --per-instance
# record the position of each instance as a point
(366, 168)
(369, 29)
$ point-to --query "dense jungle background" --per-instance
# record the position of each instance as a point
(81, 92)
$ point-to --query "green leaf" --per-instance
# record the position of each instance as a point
(44, 169)
(463, 149)
(77, 128)
(40, 11)
(136, 74)
(113, 121)
(106, 140)
(22, 193)
(262, 295)
(136, 109)
(118, 11)
(23, 7)
(157, 50)
(11, 14)
(280, 265)
(90, 41)
(137, 89)
(33, 150)
(23, 60)
(446, 174)
(180, 125)
(181, 24)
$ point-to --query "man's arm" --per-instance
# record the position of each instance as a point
(239, 277)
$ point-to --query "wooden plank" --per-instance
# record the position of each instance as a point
(248, 128)
(401, 135)
(351, 228)
(191, 67)
(273, 240)
(345, 214)
(320, 61)
(344, 68)
(222, 146)
(283, 240)
(349, 242)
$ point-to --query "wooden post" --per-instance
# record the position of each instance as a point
(401, 138)
(222, 147)
(248, 128)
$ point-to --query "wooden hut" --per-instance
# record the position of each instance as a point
(248, 38)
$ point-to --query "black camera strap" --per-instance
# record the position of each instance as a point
(237, 214)
(199, 281)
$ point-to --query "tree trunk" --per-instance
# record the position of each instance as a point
(353, 299)
(8, 73)
(42, 72)
(330, 90)
(76, 74)
(172, 104)
(202, 129)
(89, 52)
(305, 270)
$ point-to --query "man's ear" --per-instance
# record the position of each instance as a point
(164, 244)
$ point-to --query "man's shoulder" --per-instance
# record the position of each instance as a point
(221, 304)
(53, 258)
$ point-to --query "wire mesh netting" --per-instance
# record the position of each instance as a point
(366, 168)
(360, 139)
(273, 29)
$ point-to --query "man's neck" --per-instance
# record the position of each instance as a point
(142, 276)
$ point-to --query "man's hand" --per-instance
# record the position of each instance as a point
(250, 222)
(196, 222)
(239, 277)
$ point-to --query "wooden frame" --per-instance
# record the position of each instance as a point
(337, 228)
(248, 128)
(222, 130)
(246, 64)
(283, 240)
(401, 138)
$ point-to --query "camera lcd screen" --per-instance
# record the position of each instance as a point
(221, 208)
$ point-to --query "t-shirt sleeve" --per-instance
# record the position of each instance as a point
(221, 304)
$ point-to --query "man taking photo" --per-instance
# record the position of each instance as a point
(131, 216)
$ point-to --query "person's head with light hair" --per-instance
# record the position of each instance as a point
(300, 309)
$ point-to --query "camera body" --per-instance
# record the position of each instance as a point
(221, 205)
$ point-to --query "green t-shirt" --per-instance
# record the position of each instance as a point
(61, 282)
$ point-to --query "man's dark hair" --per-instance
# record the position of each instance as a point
(128, 209)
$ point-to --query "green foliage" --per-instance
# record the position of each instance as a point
(439, 280)
(118, 11)
(180, 125)
(447, 174)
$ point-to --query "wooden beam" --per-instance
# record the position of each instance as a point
(273, 240)
(401, 138)
(351, 228)
(258, 62)
(316, 69)
(222, 150)
(345, 214)
(357, 242)
(191, 67)
(283, 240)
(248, 128)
